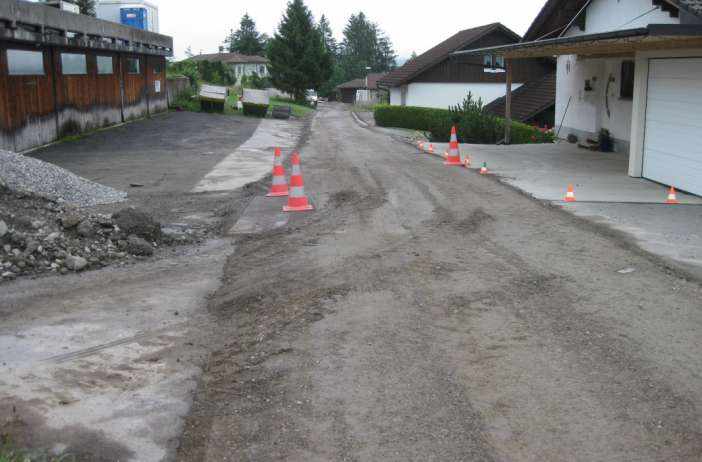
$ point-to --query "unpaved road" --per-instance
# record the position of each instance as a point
(426, 313)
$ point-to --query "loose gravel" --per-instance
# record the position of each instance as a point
(25, 174)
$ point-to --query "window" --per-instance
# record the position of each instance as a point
(133, 66)
(157, 69)
(73, 64)
(627, 80)
(23, 62)
(104, 65)
(487, 60)
(500, 62)
(262, 69)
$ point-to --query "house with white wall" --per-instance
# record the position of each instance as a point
(241, 65)
(632, 67)
(435, 80)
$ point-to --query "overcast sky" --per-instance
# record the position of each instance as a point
(411, 25)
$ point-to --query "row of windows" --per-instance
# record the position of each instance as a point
(26, 62)
(494, 62)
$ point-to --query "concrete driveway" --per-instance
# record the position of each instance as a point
(604, 193)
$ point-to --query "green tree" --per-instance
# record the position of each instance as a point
(246, 40)
(365, 48)
(298, 58)
(87, 7)
(327, 36)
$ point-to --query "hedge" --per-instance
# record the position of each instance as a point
(477, 128)
(256, 110)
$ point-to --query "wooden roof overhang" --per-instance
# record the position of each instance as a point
(608, 44)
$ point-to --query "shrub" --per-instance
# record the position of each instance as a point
(255, 110)
(473, 124)
(436, 121)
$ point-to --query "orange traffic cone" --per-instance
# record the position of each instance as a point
(672, 197)
(454, 155)
(279, 188)
(484, 169)
(421, 146)
(297, 200)
(431, 149)
(467, 161)
(570, 195)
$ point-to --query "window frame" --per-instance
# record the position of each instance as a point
(138, 67)
(72, 73)
(498, 62)
(627, 75)
(25, 74)
(491, 64)
(97, 64)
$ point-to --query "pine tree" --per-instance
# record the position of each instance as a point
(386, 58)
(298, 58)
(246, 40)
(87, 7)
(365, 48)
(327, 36)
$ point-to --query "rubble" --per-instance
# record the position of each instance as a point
(42, 236)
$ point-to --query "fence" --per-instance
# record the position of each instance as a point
(176, 86)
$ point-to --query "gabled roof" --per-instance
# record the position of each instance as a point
(439, 53)
(353, 84)
(572, 7)
(528, 100)
(231, 58)
(372, 81)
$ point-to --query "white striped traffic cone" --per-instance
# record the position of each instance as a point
(279, 188)
(297, 200)
(454, 155)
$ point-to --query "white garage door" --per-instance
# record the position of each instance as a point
(673, 143)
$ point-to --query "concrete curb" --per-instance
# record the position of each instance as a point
(358, 120)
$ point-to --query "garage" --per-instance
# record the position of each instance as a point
(673, 134)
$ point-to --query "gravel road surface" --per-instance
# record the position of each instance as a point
(426, 313)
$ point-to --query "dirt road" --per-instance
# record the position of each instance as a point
(427, 313)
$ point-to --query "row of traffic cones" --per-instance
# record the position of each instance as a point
(295, 192)
(453, 159)
(672, 195)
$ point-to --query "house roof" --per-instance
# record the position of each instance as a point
(352, 84)
(439, 53)
(551, 7)
(528, 100)
(372, 80)
(231, 58)
(627, 41)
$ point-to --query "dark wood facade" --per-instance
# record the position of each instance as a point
(42, 103)
(36, 109)
(470, 69)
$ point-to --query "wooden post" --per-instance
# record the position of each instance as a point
(508, 103)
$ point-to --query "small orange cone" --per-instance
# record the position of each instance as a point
(570, 195)
(431, 149)
(279, 188)
(421, 146)
(484, 169)
(467, 161)
(297, 200)
(454, 155)
(672, 197)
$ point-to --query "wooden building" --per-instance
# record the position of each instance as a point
(438, 79)
(63, 73)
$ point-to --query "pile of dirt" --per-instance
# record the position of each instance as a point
(43, 236)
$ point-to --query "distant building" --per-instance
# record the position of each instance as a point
(140, 14)
(65, 5)
(361, 91)
(240, 64)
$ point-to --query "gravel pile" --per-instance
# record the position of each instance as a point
(25, 174)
